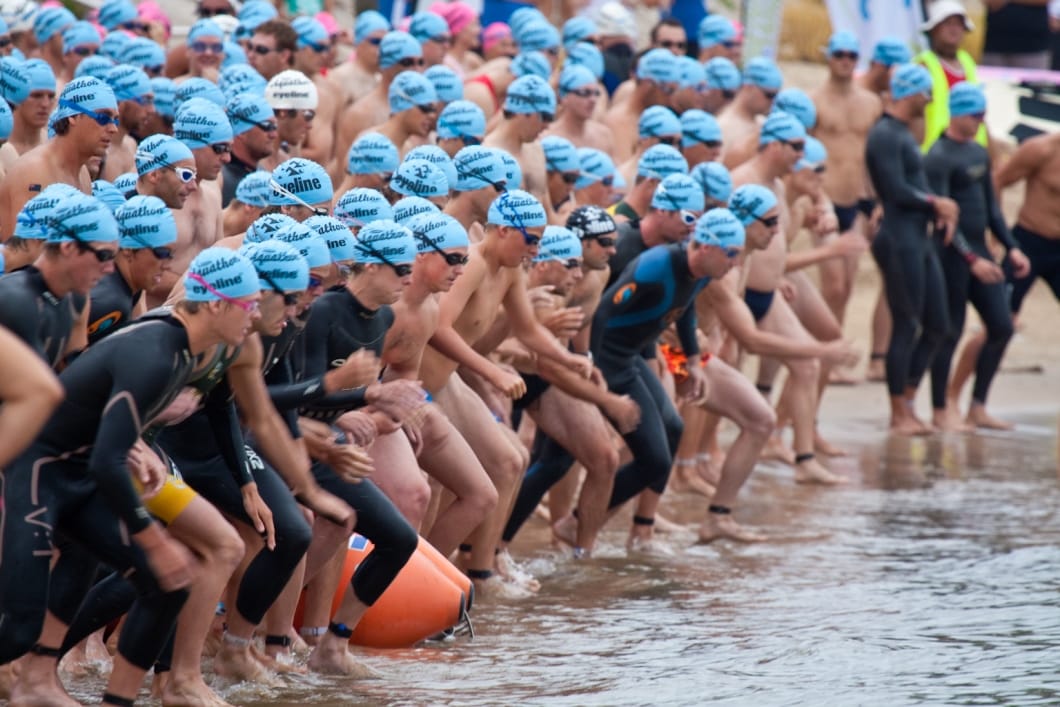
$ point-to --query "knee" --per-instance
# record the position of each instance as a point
(413, 499)
(19, 631)
(605, 461)
(227, 547)
(762, 423)
(1001, 332)
(485, 498)
(403, 542)
(806, 370)
(293, 533)
(509, 467)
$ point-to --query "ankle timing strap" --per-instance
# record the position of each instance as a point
(719, 510)
(283, 641)
(479, 574)
(38, 649)
(641, 520)
(312, 631)
(807, 456)
(118, 701)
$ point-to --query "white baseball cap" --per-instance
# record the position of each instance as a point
(942, 10)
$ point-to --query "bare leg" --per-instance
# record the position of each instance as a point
(318, 596)
(398, 476)
(965, 367)
(686, 476)
(332, 653)
(38, 678)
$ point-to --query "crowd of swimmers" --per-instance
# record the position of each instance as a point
(259, 296)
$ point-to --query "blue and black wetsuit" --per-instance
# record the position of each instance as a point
(74, 480)
(112, 303)
(35, 315)
(654, 291)
(916, 290)
(961, 171)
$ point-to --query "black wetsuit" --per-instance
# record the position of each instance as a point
(233, 172)
(338, 326)
(655, 290)
(112, 303)
(74, 479)
(32, 313)
(962, 172)
(908, 261)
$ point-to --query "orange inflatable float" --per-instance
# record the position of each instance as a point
(427, 597)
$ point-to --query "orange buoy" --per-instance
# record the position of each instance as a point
(421, 601)
(442, 563)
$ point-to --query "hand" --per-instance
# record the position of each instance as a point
(511, 384)
(359, 368)
(826, 222)
(260, 515)
(396, 398)
(581, 364)
(1021, 265)
(384, 424)
(597, 377)
(787, 289)
(148, 469)
(171, 563)
(359, 427)
(848, 245)
(987, 271)
(839, 353)
(696, 388)
(947, 211)
(415, 437)
(319, 438)
(541, 296)
(186, 402)
(328, 506)
(565, 323)
(624, 412)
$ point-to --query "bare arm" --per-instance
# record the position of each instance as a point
(29, 391)
(738, 320)
(1023, 163)
(530, 331)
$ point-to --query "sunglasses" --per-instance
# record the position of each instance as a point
(184, 174)
(154, 71)
(103, 255)
(770, 222)
(427, 108)
(375, 41)
(604, 241)
(853, 56)
(443, 39)
(266, 126)
(671, 140)
(728, 95)
(318, 48)
(410, 61)
(102, 119)
(687, 217)
(669, 44)
(261, 49)
(207, 47)
(768, 94)
(570, 177)
(160, 252)
(499, 187)
(731, 44)
(214, 12)
(451, 259)
(733, 253)
(135, 26)
(470, 140)
(585, 92)
(248, 307)
(547, 117)
(80, 51)
(402, 270)
(293, 113)
(142, 100)
(221, 148)
(571, 264)
(290, 299)
(797, 145)
(5, 42)
(712, 144)
(314, 282)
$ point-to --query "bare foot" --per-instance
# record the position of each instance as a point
(565, 530)
(686, 478)
(843, 376)
(237, 663)
(639, 544)
(909, 427)
(776, 450)
(717, 525)
(709, 465)
(509, 569)
(332, 656)
(665, 525)
(279, 661)
(8, 678)
(877, 371)
(979, 417)
(541, 511)
(812, 472)
(193, 692)
(823, 446)
(948, 420)
(38, 685)
(497, 587)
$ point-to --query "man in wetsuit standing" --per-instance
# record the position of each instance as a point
(902, 248)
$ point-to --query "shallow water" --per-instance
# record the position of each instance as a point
(932, 578)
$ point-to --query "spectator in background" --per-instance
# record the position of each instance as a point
(1017, 34)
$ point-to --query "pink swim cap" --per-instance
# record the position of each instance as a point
(329, 22)
(457, 14)
(739, 31)
(150, 11)
(494, 33)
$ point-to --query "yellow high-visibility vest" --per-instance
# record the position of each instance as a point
(937, 114)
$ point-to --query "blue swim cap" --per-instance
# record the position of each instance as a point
(265, 227)
(81, 34)
(530, 63)
(372, 153)
(530, 94)
(574, 77)
(660, 161)
(523, 16)
(397, 46)
(128, 82)
(108, 194)
(720, 228)
(715, 29)
(361, 206)
(158, 151)
(677, 192)
(844, 41)
(478, 167)
(587, 55)
(247, 111)
(196, 87)
(116, 12)
(537, 37)
(439, 158)
(95, 66)
(225, 271)
(517, 208)
(576, 29)
(200, 123)
(32, 220)
(14, 81)
(659, 65)
(253, 15)
(419, 178)
(202, 29)
(513, 171)
(447, 84)
(781, 127)
(306, 241)
(657, 121)
(714, 179)
(558, 243)
(366, 23)
(300, 182)
(165, 91)
(240, 79)
(797, 103)
(813, 156)
(255, 189)
(336, 234)
(890, 51)
(425, 26)
(439, 230)
(751, 202)
(50, 21)
(410, 206)
(461, 119)
(693, 74)
(141, 52)
(126, 183)
(410, 89)
(233, 55)
(83, 216)
(385, 238)
(966, 99)
(88, 93)
(560, 154)
(722, 74)
(277, 263)
(310, 33)
(764, 73)
(114, 44)
(910, 80)
(597, 166)
(698, 126)
(145, 222)
(7, 121)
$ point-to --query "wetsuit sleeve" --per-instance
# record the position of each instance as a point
(315, 365)
(224, 421)
(887, 155)
(18, 313)
(686, 332)
(995, 219)
(938, 167)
